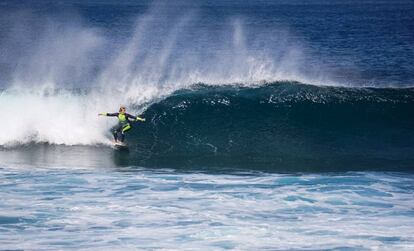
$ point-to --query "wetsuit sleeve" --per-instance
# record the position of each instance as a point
(112, 114)
(130, 116)
(134, 118)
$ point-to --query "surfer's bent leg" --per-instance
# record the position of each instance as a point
(115, 131)
(124, 129)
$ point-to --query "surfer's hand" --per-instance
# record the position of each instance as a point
(140, 119)
(102, 114)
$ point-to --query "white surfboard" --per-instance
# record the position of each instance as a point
(119, 145)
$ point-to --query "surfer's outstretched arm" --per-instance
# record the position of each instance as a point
(134, 118)
(109, 114)
(140, 119)
(127, 115)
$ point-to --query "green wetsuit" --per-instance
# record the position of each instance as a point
(123, 124)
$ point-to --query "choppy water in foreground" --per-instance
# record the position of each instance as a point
(136, 208)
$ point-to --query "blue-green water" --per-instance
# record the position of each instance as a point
(270, 125)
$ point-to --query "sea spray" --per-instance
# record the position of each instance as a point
(68, 71)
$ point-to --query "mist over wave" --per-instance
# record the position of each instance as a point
(46, 59)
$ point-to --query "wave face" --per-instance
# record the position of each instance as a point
(279, 126)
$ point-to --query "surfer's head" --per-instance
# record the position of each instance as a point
(122, 109)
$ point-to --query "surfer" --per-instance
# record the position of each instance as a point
(123, 125)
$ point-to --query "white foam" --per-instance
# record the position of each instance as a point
(190, 211)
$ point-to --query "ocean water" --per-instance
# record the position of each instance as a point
(146, 209)
(270, 125)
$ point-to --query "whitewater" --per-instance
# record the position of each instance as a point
(165, 209)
